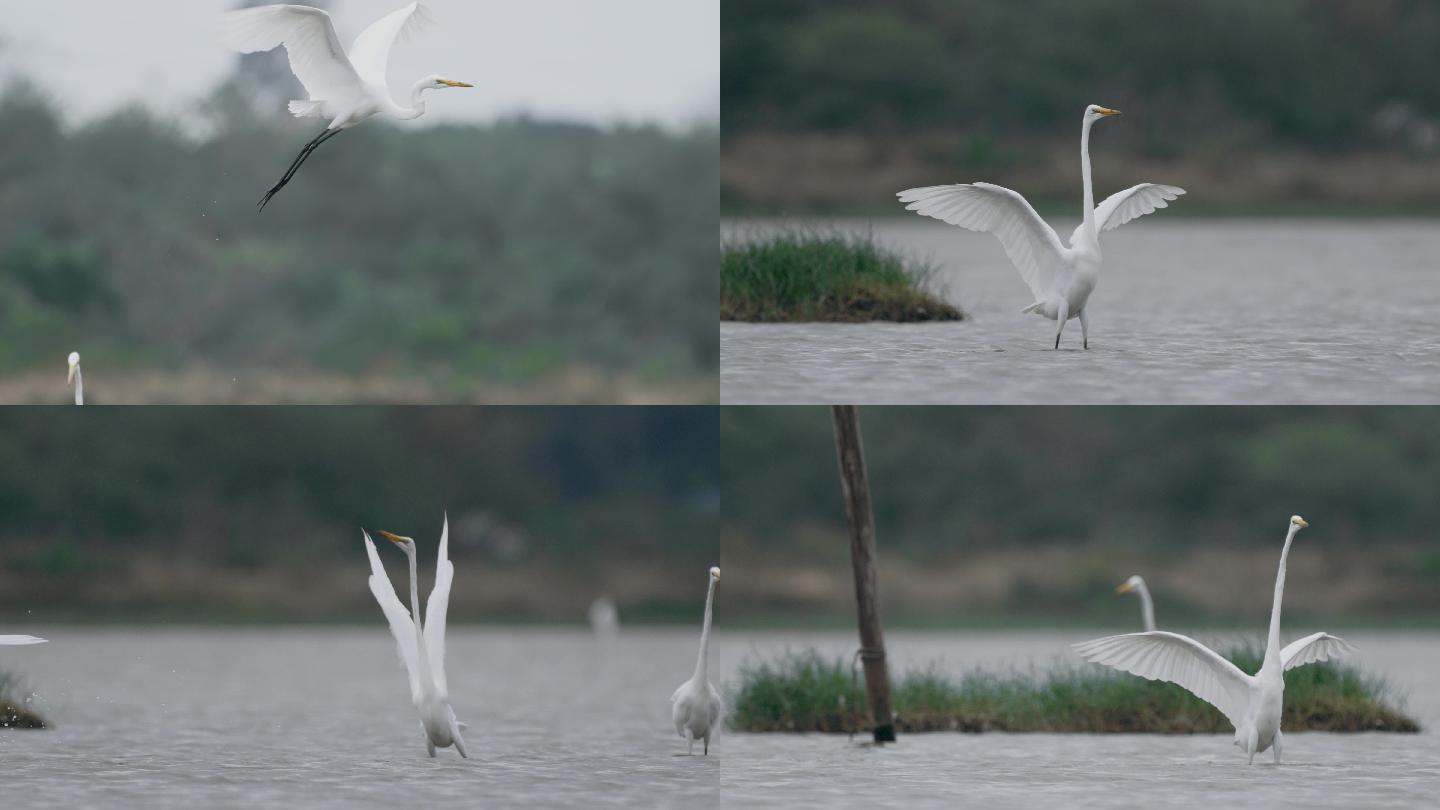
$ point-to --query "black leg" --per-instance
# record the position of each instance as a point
(299, 161)
(1057, 342)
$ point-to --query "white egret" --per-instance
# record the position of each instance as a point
(1251, 703)
(21, 641)
(422, 646)
(1136, 583)
(344, 88)
(1060, 278)
(604, 617)
(76, 379)
(696, 706)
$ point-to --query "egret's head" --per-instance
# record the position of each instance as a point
(1130, 584)
(441, 83)
(74, 366)
(1095, 112)
(715, 573)
(403, 542)
(1298, 522)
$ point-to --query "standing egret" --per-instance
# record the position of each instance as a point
(696, 705)
(21, 641)
(344, 88)
(604, 617)
(1060, 278)
(422, 647)
(1251, 703)
(1147, 608)
(76, 379)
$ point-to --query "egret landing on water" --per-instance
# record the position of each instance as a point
(696, 706)
(344, 88)
(1252, 703)
(1060, 278)
(76, 379)
(422, 648)
(1136, 584)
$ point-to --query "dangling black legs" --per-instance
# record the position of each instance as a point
(299, 161)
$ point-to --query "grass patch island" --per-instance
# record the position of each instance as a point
(797, 276)
(805, 691)
(13, 711)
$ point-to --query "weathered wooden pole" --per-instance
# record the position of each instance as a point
(856, 485)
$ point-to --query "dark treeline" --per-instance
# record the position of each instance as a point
(1322, 74)
(275, 487)
(462, 254)
(969, 479)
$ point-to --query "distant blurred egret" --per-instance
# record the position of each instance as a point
(76, 379)
(604, 617)
(1252, 703)
(1060, 278)
(20, 641)
(696, 705)
(422, 647)
(1147, 608)
(345, 88)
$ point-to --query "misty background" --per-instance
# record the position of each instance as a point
(1304, 106)
(254, 515)
(547, 236)
(1003, 516)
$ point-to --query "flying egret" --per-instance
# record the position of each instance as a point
(76, 379)
(696, 706)
(21, 641)
(1147, 608)
(422, 647)
(1251, 703)
(344, 88)
(1060, 278)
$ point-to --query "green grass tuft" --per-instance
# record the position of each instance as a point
(807, 692)
(13, 711)
(801, 275)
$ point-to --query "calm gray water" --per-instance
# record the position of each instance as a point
(1070, 770)
(1187, 312)
(321, 718)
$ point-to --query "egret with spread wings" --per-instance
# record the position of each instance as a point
(1060, 278)
(345, 88)
(422, 645)
(1251, 703)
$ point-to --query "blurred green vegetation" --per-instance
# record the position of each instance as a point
(808, 275)
(203, 498)
(461, 255)
(1222, 74)
(950, 479)
(804, 691)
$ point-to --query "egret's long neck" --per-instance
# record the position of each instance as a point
(1147, 607)
(417, 103)
(79, 387)
(1272, 645)
(700, 665)
(1089, 201)
(424, 661)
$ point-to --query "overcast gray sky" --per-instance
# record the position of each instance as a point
(601, 61)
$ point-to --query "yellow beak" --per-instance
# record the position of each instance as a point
(1302, 522)
(1125, 587)
(449, 83)
(1107, 111)
(394, 538)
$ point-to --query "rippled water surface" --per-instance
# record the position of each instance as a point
(1073, 770)
(321, 718)
(1187, 311)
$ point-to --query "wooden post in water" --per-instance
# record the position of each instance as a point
(856, 485)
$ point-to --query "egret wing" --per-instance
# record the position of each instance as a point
(20, 641)
(371, 52)
(1314, 648)
(436, 609)
(1163, 656)
(1132, 203)
(1030, 243)
(401, 625)
(316, 56)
